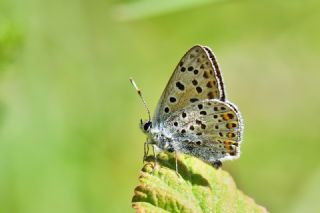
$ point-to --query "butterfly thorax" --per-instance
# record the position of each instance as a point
(160, 138)
(157, 135)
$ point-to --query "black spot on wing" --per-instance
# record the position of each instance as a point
(180, 86)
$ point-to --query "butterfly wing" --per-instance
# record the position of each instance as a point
(197, 77)
(210, 130)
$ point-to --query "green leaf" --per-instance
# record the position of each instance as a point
(199, 187)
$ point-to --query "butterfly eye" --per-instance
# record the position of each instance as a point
(147, 125)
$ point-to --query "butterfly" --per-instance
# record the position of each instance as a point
(193, 115)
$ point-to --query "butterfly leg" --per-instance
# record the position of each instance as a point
(217, 164)
(146, 151)
(154, 157)
(176, 158)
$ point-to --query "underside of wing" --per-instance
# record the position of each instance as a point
(197, 77)
(210, 130)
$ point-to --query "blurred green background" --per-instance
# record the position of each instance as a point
(69, 136)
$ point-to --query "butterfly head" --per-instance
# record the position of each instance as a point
(145, 126)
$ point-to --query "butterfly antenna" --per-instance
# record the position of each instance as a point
(140, 95)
